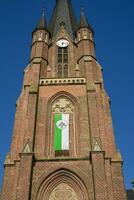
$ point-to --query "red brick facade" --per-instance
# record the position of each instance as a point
(93, 169)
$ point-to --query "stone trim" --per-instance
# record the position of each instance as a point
(117, 158)
(33, 89)
(61, 159)
(65, 81)
(37, 60)
(9, 164)
(87, 56)
(45, 184)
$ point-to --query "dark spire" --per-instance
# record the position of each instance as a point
(42, 22)
(63, 14)
(83, 21)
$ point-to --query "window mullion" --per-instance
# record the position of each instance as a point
(62, 62)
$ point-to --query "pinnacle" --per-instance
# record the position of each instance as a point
(83, 21)
(42, 22)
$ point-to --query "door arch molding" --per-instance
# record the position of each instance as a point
(64, 177)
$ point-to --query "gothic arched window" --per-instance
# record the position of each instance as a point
(62, 62)
(62, 125)
(65, 71)
(59, 70)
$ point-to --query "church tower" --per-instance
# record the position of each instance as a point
(63, 145)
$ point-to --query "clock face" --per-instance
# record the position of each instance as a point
(62, 43)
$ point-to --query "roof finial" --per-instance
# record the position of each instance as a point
(42, 24)
(43, 11)
(82, 9)
(83, 20)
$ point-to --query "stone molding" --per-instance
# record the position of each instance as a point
(63, 81)
(46, 185)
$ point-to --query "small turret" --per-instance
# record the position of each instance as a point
(41, 33)
(42, 24)
(84, 30)
(85, 35)
(40, 39)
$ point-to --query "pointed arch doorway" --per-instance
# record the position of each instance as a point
(62, 185)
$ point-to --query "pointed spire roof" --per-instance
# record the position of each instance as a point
(63, 14)
(42, 24)
(83, 21)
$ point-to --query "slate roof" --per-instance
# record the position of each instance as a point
(42, 24)
(130, 195)
(63, 12)
(84, 22)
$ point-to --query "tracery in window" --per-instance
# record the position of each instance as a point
(62, 105)
(67, 193)
(62, 113)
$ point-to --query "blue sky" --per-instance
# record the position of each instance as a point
(113, 22)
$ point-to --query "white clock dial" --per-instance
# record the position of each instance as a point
(62, 43)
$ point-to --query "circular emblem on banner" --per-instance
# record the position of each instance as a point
(61, 124)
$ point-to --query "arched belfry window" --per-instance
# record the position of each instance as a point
(65, 71)
(62, 62)
(59, 70)
(62, 125)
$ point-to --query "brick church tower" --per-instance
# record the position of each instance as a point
(63, 145)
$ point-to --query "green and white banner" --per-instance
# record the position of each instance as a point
(61, 132)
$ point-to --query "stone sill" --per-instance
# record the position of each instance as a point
(62, 159)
